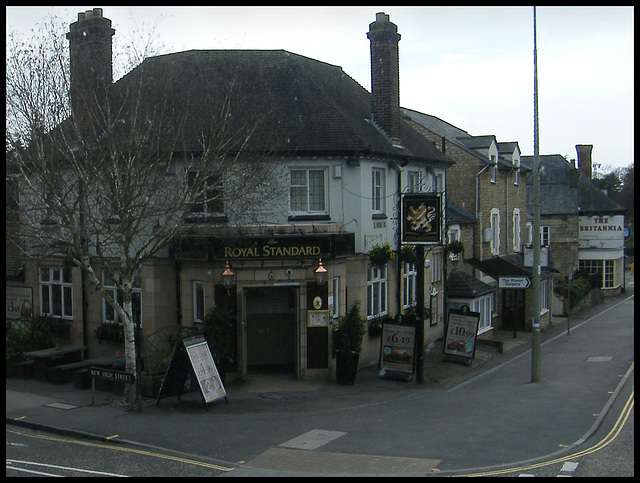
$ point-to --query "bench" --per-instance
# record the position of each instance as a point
(60, 374)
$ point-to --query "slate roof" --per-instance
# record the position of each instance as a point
(458, 215)
(556, 195)
(465, 286)
(306, 106)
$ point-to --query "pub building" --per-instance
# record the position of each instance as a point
(346, 157)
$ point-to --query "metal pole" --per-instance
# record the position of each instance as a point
(535, 326)
(419, 313)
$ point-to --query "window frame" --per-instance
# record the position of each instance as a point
(62, 283)
(308, 194)
(199, 312)
(136, 300)
(209, 203)
(377, 191)
(409, 285)
(377, 292)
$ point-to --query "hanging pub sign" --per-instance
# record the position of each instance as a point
(397, 348)
(462, 331)
(422, 218)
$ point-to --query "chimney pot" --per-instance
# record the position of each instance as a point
(584, 158)
(385, 76)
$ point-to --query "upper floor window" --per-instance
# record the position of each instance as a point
(307, 190)
(516, 230)
(414, 182)
(493, 170)
(56, 292)
(377, 191)
(208, 201)
(495, 231)
(544, 236)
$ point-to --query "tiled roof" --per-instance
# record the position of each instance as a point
(463, 285)
(556, 195)
(306, 106)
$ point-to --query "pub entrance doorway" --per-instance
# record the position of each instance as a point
(271, 329)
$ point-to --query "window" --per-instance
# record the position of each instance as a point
(56, 292)
(208, 201)
(483, 306)
(493, 170)
(544, 236)
(108, 312)
(336, 297)
(516, 229)
(307, 191)
(436, 266)
(544, 296)
(495, 231)
(377, 191)
(376, 291)
(603, 267)
(198, 302)
(414, 184)
(409, 279)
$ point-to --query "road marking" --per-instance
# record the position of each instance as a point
(69, 468)
(600, 359)
(569, 466)
(313, 439)
(62, 406)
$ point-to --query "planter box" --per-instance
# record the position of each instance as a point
(346, 367)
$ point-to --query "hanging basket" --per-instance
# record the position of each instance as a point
(381, 254)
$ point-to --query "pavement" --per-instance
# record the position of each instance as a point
(461, 418)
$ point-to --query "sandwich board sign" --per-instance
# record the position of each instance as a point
(192, 357)
(397, 350)
(461, 334)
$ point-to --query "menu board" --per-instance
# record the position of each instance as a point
(462, 331)
(206, 371)
(398, 347)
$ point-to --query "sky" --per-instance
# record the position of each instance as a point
(472, 67)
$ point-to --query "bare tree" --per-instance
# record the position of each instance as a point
(118, 184)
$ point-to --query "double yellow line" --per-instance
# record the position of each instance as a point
(609, 438)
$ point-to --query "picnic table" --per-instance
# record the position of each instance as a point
(45, 358)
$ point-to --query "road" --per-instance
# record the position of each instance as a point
(35, 453)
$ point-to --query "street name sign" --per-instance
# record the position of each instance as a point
(514, 282)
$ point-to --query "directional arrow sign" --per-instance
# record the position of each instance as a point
(514, 282)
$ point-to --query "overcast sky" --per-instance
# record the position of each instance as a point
(469, 66)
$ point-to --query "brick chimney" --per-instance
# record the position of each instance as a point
(91, 70)
(385, 76)
(584, 158)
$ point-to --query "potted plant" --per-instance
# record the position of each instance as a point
(379, 255)
(216, 328)
(347, 343)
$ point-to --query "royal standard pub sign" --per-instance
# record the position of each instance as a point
(422, 218)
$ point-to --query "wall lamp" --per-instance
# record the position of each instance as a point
(227, 277)
(320, 272)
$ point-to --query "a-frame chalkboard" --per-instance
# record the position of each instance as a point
(192, 357)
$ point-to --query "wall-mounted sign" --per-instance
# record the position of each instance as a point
(19, 302)
(255, 247)
(422, 218)
(514, 282)
(317, 318)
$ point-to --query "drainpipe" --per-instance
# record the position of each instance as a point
(477, 207)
